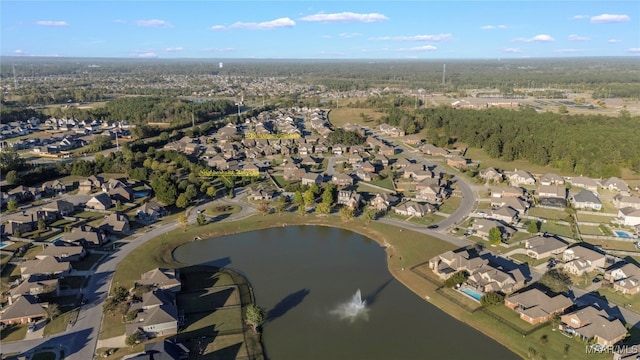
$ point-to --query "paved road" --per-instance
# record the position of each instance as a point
(79, 341)
(423, 229)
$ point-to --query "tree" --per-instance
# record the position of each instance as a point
(491, 298)
(370, 213)
(328, 194)
(264, 208)
(346, 213)
(183, 219)
(201, 219)
(309, 197)
(68, 228)
(533, 227)
(281, 204)
(455, 279)
(323, 208)
(131, 339)
(53, 311)
(301, 210)
(254, 316)
(100, 142)
(557, 281)
(297, 198)
(120, 293)
(13, 178)
(165, 189)
(10, 159)
(212, 191)
(191, 192)
(12, 204)
(182, 201)
(495, 236)
(42, 225)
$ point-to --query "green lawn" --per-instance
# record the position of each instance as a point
(204, 324)
(112, 326)
(551, 214)
(426, 220)
(13, 332)
(60, 223)
(57, 325)
(487, 161)
(595, 218)
(553, 228)
(613, 244)
(87, 262)
(529, 260)
(590, 230)
(450, 205)
(208, 299)
(629, 302)
(386, 183)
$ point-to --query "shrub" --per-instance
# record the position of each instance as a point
(492, 298)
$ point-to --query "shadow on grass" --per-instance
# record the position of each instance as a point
(287, 303)
(229, 352)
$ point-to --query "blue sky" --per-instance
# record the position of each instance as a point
(320, 30)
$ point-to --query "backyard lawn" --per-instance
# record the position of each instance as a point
(450, 205)
(551, 214)
(553, 228)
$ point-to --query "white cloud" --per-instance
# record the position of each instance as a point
(579, 17)
(634, 50)
(146, 55)
(154, 23)
(574, 37)
(119, 21)
(345, 17)
(173, 49)
(537, 38)
(609, 18)
(265, 25)
(567, 51)
(512, 50)
(19, 52)
(614, 41)
(420, 48)
(491, 27)
(349, 35)
(327, 36)
(431, 38)
(52, 23)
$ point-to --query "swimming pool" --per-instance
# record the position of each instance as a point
(622, 234)
(4, 244)
(472, 293)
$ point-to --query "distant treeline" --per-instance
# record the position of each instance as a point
(592, 145)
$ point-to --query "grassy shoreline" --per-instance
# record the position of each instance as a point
(403, 253)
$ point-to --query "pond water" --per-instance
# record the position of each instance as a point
(303, 276)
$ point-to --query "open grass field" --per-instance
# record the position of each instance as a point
(450, 205)
(486, 161)
(553, 228)
(339, 117)
(595, 218)
(13, 332)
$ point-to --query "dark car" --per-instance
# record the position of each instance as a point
(596, 280)
(432, 227)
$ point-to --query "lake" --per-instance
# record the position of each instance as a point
(301, 274)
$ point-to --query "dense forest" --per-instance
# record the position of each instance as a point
(592, 145)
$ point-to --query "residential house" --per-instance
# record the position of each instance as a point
(386, 150)
(163, 350)
(629, 216)
(157, 316)
(615, 184)
(584, 182)
(312, 178)
(342, 179)
(63, 251)
(552, 195)
(521, 177)
(510, 191)
(624, 277)
(261, 194)
(165, 279)
(621, 201)
(540, 247)
(516, 203)
(90, 184)
(25, 309)
(417, 172)
(59, 207)
(151, 211)
(338, 149)
(368, 167)
(355, 159)
(35, 285)
(412, 208)
(490, 174)
(579, 260)
(85, 236)
(349, 198)
(551, 179)
(450, 262)
(384, 201)
(48, 266)
(590, 323)
(433, 150)
(293, 172)
(402, 163)
(489, 278)
(100, 201)
(115, 223)
(586, 199)
(432, 193)
(535, 307)
(363, 175)
(457, 162)
(483, 226)
(505, 213)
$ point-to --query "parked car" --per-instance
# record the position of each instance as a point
(31, 328)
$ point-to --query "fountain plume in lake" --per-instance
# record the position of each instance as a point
(352, 309)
